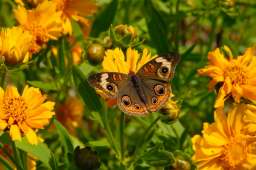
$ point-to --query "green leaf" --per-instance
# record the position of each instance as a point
(53, 162)
(5, 163)
(104, 19)
(65, 138)
(156, 28)
(78, 34)
(86, 91)
(40, 151)
(99, 143)
(158, 158)
(46, 86)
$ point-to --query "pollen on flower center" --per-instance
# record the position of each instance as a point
(15, 108)
(237, 74)
(235, 152)
(40, 32)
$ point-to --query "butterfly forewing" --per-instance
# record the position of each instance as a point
(161, 68)
(107, 82)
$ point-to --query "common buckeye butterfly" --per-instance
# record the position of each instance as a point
(142, 92)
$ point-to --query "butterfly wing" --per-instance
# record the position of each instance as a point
(160, 68)
(156, 92)
(107, 82)
(129, 100)
(155, 76)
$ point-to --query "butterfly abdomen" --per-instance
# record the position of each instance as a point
(137, 84)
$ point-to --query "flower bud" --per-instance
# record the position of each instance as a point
(85, 158)
(170, 110)
(95, 53)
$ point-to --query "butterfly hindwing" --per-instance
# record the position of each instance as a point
(129, 100)
(156, 92)
(107, 82)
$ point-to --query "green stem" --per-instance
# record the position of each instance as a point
(122, 124)
(17, 157)
(142, 143)
(3, 72)
(110, 136)
(5, 163)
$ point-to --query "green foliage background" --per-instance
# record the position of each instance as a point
(191, 28)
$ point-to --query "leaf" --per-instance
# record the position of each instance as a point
(156, 28)
(86, 91)
(158, 158)
(65, 138)
(45, 86)
(40, 151)
(78, 34)
(104, 19)
(99, 143)
(53, 162)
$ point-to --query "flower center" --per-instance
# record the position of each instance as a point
(237, 74)
(15, 109)
(235, 152)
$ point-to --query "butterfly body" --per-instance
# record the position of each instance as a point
(142, 92)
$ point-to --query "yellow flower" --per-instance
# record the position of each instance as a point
(22, 115)
(116, 61)
(226, 144)
(171, 109)
(77, 10)
(70, 113)
(237, 75)
(15, 44)
(44, 23)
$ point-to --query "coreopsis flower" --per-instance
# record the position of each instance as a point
(236, 75)
(23, 115)
(77, 10)
(226, 144)
(70, 113)
(171, 109)
(15, 44)
(43, 22)
(116, 61)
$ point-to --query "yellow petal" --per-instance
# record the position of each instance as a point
(11, 92)
(3, 124)
(217, 58)
(1, 95)
(132, 59)
(220, 98)
(15, 132)
(249, 92)
(32, 137)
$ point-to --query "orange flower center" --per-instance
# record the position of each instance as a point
(235, 152)
(39, 32)
(15, 108)
(237, 74)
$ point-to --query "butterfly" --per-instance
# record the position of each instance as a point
(142, 92)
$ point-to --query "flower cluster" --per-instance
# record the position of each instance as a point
(22, 115)
(48, 20)
(229, 142)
